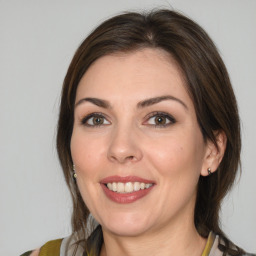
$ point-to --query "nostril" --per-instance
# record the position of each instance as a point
(123, 159)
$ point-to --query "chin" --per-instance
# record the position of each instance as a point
(125, 225)
(124, 230)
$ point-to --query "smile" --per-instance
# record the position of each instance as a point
(126, 190)
(128, 187)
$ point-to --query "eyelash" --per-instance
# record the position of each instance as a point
(85, 120)
(171, 119)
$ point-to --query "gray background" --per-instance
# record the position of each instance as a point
(37, 42)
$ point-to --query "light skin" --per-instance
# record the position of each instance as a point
(134, 117)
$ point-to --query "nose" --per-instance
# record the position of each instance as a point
(124, 146)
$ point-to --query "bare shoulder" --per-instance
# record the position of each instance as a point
(35, 252)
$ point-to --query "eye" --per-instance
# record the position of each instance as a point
(159, 119)
(95, 120)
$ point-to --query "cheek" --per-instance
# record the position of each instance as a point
(86, 153)
(177, 164)
(178, 155)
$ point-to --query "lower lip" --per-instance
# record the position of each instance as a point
(125, 198)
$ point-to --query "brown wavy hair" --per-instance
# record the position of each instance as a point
(207, 82)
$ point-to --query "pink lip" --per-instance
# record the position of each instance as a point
(125, 198)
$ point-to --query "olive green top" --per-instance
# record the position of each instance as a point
(68, 247)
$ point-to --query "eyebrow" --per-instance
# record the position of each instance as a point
(145, 103)
(98, 102)
(155, 100)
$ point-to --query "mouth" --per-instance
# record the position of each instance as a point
(126, 189)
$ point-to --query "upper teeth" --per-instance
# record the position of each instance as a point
(127, 187)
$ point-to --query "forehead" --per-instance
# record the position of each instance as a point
(142, 73)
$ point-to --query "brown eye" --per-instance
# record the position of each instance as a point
(95, 120)
(160, 120)
(98, 120)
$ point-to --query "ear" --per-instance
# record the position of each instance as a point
(214, 154)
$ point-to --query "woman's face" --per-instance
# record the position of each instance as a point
(136, 144)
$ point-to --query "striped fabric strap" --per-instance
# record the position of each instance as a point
(209, 244)
(51, 248)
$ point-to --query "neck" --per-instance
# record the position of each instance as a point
(177, 241)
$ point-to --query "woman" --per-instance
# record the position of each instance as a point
(148, 139)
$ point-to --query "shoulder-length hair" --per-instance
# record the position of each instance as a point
(207, 83)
